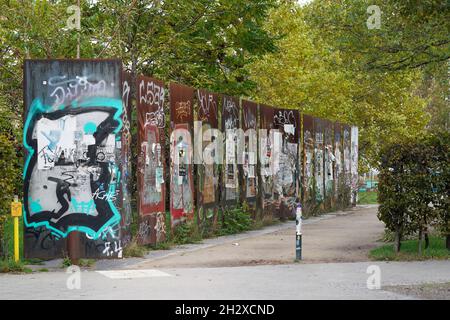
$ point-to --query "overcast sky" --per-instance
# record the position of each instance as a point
(303, 1)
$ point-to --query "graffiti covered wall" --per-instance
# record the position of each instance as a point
(354, 164)
(151, 118)
(207, 113)
(329, 159)
(181, 153)
(346, 187)
(230, 126)
(250, 153)
(267, 139)
(72, 172)
(126, 171)
(308, 189)
(285, 178)
(319, 160)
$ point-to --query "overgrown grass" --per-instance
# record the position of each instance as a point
(409, 251)
(9, 237)
(235, 221)
(368, 197)
(186, 233)
(9, 265)
(65, 263)
(133, 249)
(87, 263)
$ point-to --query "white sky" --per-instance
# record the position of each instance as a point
(302, 2)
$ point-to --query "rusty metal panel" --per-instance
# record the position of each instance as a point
(346, 188)
(354, 164)
(338, 164)
(308, 163)
(319, 159)
(208, 175)
(151, 185)
(230, 126)
(250, 154)
(266, 152)
(181, 153)
(126, 170)
(285, 179)
(328, 163)
(72, 173)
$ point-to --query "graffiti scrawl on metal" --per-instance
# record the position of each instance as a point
(354, 164)
(308, 162)
(181, 153)
(267, 140)
(126, 171)
(250, 153)
(346, 187)
(329, 159)
(72, 138)
(285, 178)
(151, 117)
(207, 156)
(319, 159)
(230, 126)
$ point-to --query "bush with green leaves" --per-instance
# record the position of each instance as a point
(10, 168)
(413, 187)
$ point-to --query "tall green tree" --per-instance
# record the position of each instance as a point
(312, 73)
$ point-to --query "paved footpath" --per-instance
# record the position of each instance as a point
(253, 265)
(295, 281)
(345, 236)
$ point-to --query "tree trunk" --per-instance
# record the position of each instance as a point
(397, 241)
(448, 242)
(427, 240)
(420, 241)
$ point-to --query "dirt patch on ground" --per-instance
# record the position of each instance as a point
(438, 291)
(343, 238)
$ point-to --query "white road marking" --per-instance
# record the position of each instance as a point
(133, 274)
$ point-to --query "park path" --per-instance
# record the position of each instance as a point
(339, 237)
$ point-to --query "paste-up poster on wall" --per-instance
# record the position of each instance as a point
(181, 153)
(285, 180)
(354, 163)
(346, 136)
(208, 175)
(308, 161)
(250, 152)
(126, 172)
(329, 159)
(338, 162)
(230, 126)
(319, 159)
(72, 172)
(266, 156)
(151, 159)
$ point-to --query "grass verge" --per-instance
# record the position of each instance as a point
(12, 266)
(368, 197)
(409, 251)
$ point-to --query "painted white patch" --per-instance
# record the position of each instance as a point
(133, 274)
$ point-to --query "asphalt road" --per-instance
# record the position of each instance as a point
(294, 281)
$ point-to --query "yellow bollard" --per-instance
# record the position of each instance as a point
(16, 212)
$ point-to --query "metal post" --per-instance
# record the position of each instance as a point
(73, 247)
(16, 239)
(16, 212)
(298, 232)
